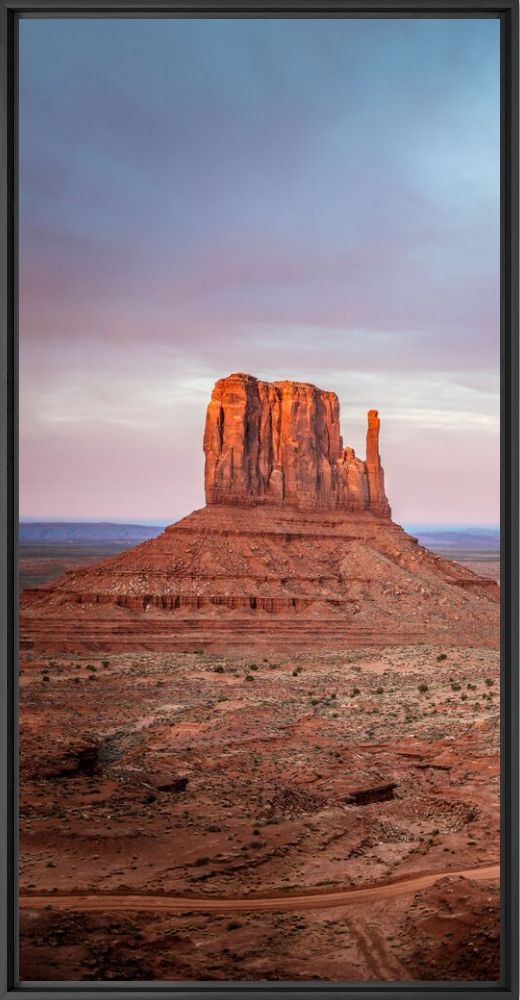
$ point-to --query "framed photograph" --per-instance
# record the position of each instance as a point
(260, 498)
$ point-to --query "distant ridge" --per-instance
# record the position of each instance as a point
(440, 539)
(78, 532)
(458, 539)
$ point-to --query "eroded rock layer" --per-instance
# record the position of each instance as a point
(279, 443)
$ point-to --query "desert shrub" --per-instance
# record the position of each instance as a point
(380, 690)
(471, 815)
(248, 677)
(422, 687)
(441, 657)
(354, 692)
(489, 682)
(218, 669)
(455, 686)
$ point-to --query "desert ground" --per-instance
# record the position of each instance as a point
(286, 817)
(43, 562)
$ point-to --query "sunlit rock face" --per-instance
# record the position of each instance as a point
(280, 443)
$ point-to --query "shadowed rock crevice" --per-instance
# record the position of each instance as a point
(366, 796)
(74, 762)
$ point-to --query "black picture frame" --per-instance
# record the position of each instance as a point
(10, 13)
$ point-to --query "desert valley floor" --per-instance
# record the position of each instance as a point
(177, 807)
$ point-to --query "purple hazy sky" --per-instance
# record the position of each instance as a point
(307, 199)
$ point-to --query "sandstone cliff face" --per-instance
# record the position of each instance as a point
(280, 443)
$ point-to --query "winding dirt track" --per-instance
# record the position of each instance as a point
(100, 902)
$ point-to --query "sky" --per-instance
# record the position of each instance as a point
(315, 200)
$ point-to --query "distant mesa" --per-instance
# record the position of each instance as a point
(279, 443)
(296, 546)
(80, 533)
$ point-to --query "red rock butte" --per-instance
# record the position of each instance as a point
(279, 443)
(296, 546)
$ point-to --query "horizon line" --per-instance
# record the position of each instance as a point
(161, 521)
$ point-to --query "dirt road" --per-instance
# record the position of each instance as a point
(101, 902)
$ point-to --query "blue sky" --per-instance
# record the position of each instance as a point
(316, 200)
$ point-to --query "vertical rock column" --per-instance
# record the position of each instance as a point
(309, 444)
(377, 500)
